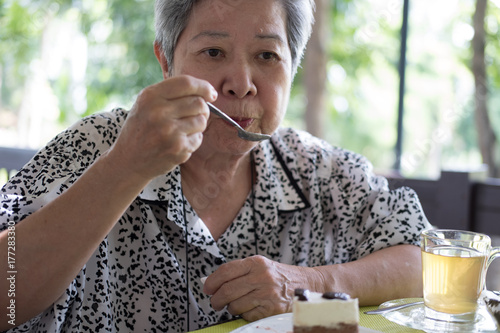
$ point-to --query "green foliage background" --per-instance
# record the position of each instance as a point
(363, 80)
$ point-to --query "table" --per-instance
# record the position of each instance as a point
(375, 322)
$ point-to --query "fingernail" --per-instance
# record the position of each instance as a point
(214, 94)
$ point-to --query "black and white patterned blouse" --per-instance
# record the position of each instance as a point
(313, 205)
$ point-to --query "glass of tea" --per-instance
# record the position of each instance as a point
(454, 265)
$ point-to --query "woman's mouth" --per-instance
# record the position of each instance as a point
(243, 122)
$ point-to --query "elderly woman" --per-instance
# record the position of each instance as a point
(119, 217)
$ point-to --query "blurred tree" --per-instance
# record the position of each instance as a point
(487, 139)
(315, 68)
(363, 53)
(20, 38)
(358, 74)
(118, 53)
(121, 53)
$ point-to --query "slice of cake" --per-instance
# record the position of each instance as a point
(324, 313)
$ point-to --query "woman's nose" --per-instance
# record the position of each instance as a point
(238, 81)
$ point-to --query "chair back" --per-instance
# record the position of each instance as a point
(13, 159)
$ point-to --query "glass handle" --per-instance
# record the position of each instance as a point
(494, 253)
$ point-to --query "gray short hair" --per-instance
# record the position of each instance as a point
(171, 17)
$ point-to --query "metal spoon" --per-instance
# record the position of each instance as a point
(392, 308)
(249, 136)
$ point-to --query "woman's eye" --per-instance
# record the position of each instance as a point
(213, 52)
(269, 56)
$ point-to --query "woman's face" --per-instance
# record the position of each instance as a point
(241, 48)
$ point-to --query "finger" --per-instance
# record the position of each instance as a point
(193, 143)
(257, 313)
(254, 307)
(242, 305)
(230, 292)
(225, 273)
(185, 85)
(264, 300)
(184, 116)
(193, 110)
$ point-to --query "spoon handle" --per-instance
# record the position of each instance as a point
(241, 132)
(393, 308)
(221, 114)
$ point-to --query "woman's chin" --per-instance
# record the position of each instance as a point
(227, 140)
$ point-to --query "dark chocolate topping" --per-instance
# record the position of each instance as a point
(302, 294)
(336, 295)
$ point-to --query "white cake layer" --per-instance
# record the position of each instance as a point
(318, 311)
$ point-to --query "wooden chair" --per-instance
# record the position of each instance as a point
(458, 200)
(13, 159)
(446, 201)
(485, 199)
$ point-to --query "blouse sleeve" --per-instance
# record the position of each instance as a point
(56, 166)
(49, 173)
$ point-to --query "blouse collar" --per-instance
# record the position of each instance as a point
(277, 180)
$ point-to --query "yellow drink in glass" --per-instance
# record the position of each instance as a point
(453, 278)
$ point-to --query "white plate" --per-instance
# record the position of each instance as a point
(281, 323)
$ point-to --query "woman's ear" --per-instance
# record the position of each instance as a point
(160, 55)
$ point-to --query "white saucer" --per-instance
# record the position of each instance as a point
(414, 317)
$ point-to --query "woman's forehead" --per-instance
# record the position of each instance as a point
(262, 16)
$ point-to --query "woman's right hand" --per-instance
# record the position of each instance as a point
(164, 127)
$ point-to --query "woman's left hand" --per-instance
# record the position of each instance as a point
(257, 287)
